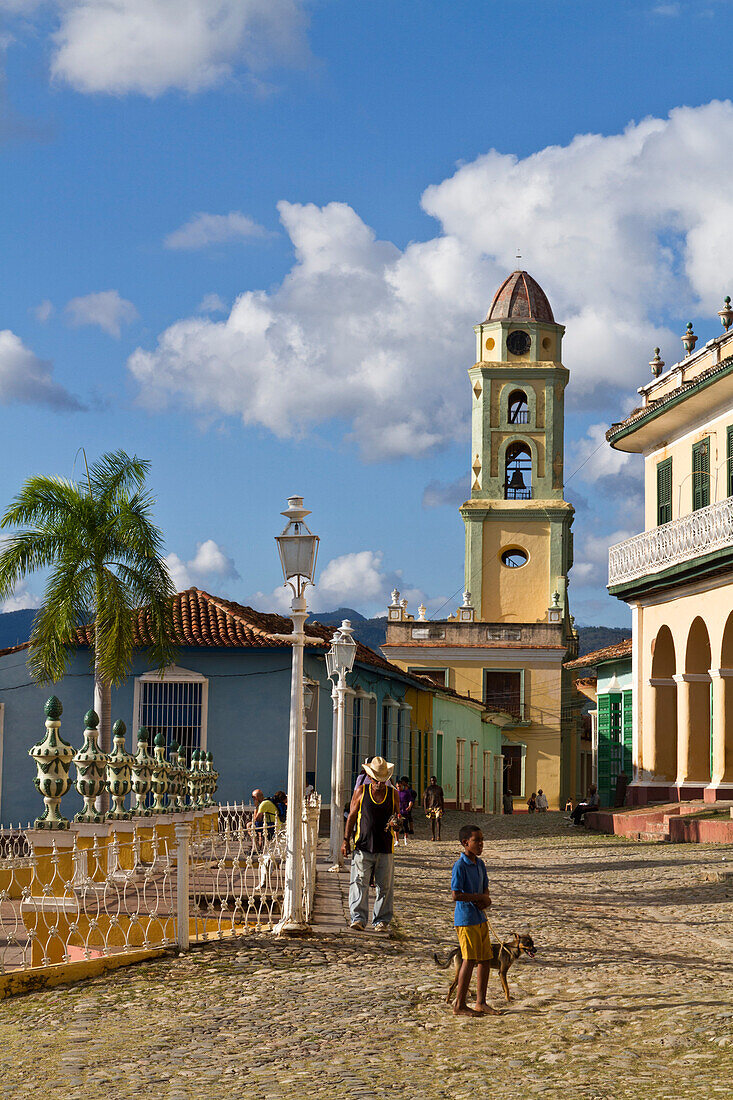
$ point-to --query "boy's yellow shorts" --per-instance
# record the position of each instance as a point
(475, 941)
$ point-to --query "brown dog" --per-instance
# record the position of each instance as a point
(502, 957)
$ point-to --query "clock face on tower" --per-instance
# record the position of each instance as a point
(518, 342)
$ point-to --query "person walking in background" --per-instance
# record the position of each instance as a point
(434, 804)
(542, 803)
(508, 801)
(532, 803)
(413, 797)
(406, 798)
(373, 804)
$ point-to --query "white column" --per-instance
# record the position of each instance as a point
(338, 784)
(183, 838)
(293, 916)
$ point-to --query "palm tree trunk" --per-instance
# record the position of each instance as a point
(103, 707)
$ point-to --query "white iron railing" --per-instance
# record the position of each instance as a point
(70, 900)
(680, 540)
(70, 895)
(311, 818)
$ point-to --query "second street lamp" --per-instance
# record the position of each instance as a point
(298, 549)
(339, 661)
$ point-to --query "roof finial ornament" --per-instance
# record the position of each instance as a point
(689, 339)
(519, 254)
(656, 363)
(726, 313)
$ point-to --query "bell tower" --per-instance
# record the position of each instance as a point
(517, 522)
(507, 644)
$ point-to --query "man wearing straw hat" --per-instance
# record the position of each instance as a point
(372, 806)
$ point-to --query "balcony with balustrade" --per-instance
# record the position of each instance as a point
(693, 546)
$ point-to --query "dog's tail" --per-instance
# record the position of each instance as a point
(445, 963)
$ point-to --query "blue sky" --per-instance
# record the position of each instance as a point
(248, 241)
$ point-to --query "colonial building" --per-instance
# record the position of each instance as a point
(506, 645)
(677, 575)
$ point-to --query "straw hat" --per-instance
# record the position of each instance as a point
(377, 768)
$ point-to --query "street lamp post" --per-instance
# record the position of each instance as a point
(298, 551)
(339, 661)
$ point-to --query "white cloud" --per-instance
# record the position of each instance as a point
(208, 564)
(592, 457)
(203, 230)
(211, 303)
(358, 580)
(669, 10)
(591, 569)
(44, 311)
(105, 308)
(151, 46)
(619, 230)
(21, 598)
(27, 380)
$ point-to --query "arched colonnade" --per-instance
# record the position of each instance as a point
(687, 738)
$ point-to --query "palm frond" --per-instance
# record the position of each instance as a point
(113, 627)
(69, 591)
(117, 473)
(24, 553)
(43, 499)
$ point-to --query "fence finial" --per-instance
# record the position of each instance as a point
(119, 773)
(142, 773)
(53, 758)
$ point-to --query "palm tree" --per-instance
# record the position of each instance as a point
(104, 556)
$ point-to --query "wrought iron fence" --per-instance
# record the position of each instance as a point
(99, 890)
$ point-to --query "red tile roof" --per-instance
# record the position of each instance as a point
(201, 619)
(610, 653)
(520, 297)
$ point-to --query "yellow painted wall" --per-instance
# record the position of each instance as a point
(516, 595)
(543, 700)
(713, 606)
(680, 451)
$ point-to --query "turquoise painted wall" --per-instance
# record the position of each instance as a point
(457, 721)
(247, 729)
(620, 669)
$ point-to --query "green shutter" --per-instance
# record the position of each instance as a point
(664, 491)
(701, 474)
(729, 456)
(604, 748)
(711, 708)
(628, 719)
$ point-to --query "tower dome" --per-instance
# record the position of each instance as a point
(520, 297)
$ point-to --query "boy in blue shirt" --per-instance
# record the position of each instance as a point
(470, 889)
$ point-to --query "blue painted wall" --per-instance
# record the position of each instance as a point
(248, 719)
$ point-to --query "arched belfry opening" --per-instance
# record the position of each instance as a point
(518, 472)
(518, 407)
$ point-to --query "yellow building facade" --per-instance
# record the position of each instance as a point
(677, 575)
(506, 645)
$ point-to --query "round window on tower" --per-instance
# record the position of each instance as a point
(514, 557)
(518, 342)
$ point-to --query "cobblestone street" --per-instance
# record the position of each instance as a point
(629, 995)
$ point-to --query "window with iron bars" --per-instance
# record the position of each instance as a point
(175, 708)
